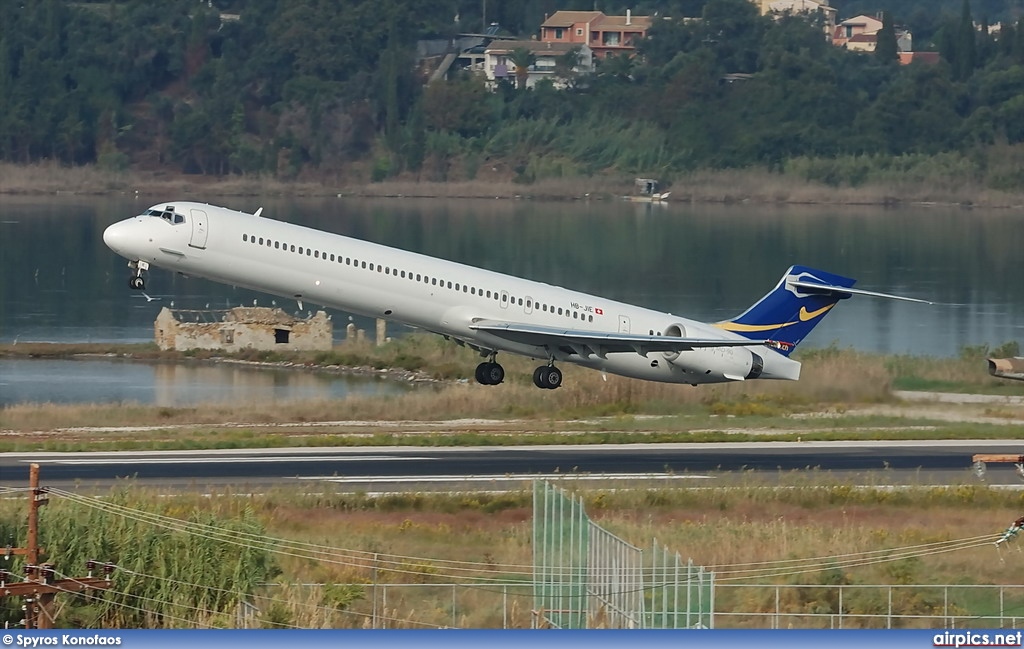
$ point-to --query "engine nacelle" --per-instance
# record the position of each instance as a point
(727, 362)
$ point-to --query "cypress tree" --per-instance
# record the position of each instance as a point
(966, 53)
(885, 47)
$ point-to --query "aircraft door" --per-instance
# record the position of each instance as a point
(199, 229)
(623, 324)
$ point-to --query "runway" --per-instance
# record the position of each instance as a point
(511, 467)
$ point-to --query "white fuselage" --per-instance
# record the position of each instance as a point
(433, 294)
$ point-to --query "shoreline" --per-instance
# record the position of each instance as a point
(756, 187)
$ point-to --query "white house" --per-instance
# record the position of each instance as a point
(498, 64)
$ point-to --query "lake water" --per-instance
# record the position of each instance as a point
(60, 283)
(171, 384)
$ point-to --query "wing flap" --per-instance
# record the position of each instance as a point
(599, 343)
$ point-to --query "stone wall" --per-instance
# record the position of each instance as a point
(242, 328)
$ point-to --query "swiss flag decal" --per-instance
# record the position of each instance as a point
(598, 311)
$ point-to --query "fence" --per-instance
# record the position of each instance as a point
(584, 576)
(838, 606)
(737, 606)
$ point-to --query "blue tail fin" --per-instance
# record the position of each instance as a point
(788, 313)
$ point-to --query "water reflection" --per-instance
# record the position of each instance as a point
(174, 385)
(58, 281)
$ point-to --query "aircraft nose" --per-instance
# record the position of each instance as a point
(116, 237)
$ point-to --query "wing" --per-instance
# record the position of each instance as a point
(599, 343)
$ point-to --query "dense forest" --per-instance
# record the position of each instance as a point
(309, 88)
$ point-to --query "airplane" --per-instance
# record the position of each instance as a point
(488, 311)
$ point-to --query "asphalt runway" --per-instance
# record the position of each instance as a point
(378, 469)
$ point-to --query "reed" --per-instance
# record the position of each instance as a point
(195, 573)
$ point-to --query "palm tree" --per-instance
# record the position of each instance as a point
(522, 59)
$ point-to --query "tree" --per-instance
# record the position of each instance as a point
(885, 47)
(522, 59)
(566, 67)
(966, 48)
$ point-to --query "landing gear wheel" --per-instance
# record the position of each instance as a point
(490, 373)
(137, 281)
(547, 377)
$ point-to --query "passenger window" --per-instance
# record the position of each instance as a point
(449, 284)
(317, 255)
(308, 252)
(520, 301)
(277, 244)
(245, 237)
(456, 286)
(332, 256)
(559, 310)
(261, 241)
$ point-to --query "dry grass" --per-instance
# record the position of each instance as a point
(833, 379)
(413, 536)
(716, 186)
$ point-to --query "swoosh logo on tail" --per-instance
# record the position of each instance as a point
(806, 315)
(738, 327)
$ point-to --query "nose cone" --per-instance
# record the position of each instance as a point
(116, 237)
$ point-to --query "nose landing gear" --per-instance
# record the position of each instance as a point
(137, 281)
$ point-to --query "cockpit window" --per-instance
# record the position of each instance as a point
(168, 215)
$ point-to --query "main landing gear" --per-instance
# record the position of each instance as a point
(137, 281)
(547, 377)
(490, 373)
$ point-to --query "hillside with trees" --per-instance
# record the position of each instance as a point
(316, 89)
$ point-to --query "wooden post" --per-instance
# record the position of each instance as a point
(41, 585)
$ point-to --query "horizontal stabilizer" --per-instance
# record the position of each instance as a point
(843, 291)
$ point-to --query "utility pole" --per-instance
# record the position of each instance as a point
(40, 585)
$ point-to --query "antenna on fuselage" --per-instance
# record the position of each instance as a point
(258, 212)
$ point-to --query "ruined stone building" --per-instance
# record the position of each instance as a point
(242, 328)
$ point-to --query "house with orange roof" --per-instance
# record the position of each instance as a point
(853, 27)
(604, 35)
